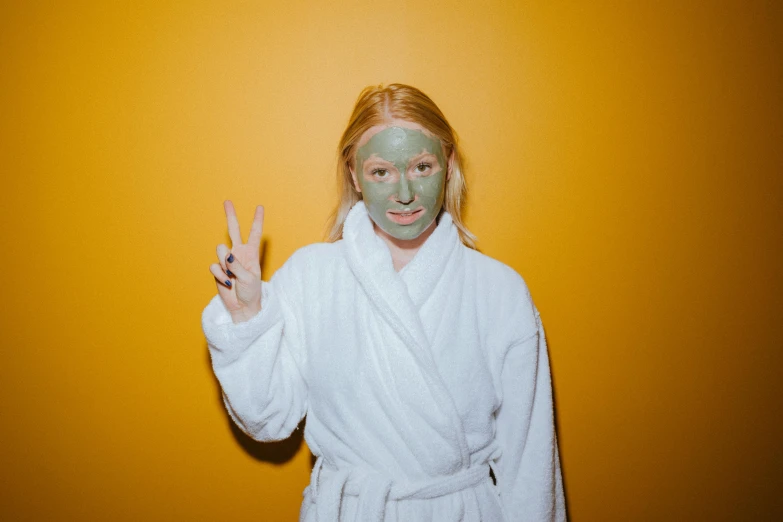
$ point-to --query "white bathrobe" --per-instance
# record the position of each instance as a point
(414, 383)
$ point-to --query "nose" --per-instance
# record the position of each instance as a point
(404, 194)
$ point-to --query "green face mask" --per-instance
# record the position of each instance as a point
(402, 174)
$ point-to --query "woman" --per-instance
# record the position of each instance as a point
(421, 364)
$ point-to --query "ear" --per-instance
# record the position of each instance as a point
(450, 163)
(355, 181)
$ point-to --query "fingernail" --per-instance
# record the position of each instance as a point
(230, 258)
(228, 283)
(230, 274)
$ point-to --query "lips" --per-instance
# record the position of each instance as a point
(404, 217)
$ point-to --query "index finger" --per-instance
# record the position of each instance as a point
(257, 227)
(233, 223)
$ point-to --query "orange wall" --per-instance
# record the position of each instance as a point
(625, 159)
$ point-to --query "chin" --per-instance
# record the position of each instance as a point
(408, 232)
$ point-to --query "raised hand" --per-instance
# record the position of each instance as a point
(238, 272)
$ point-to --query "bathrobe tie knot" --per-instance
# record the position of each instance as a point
(374, 490)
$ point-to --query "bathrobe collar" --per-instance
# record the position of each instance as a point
(401, 295)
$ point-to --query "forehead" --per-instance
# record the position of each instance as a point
(397, 137)
(395, 142)
(404, 124)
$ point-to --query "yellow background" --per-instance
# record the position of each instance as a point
(625, 159)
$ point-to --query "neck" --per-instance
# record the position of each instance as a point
(403, 250)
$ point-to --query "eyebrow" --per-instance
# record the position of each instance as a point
(377, 159)
(420, 155)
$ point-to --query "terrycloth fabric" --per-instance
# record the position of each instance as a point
(413, 383)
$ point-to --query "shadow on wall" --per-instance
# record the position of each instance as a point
(557, 425)
(278, 452)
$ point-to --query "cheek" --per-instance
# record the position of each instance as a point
(430, 188)
(377, 192)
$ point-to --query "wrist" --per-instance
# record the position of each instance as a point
(246, 313)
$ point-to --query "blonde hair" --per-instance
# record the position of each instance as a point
(377, 105)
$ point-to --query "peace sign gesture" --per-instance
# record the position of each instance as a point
(238, 273)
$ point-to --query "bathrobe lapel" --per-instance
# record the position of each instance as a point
(399, 304)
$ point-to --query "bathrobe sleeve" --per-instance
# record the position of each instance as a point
(259, 362)
(528, 474)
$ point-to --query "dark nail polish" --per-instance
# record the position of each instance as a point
(231, 274)
(230, 258)
(228, 283)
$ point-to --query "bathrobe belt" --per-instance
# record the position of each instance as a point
(374, 490)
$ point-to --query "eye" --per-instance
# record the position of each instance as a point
(422, 167)
(380, 173)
